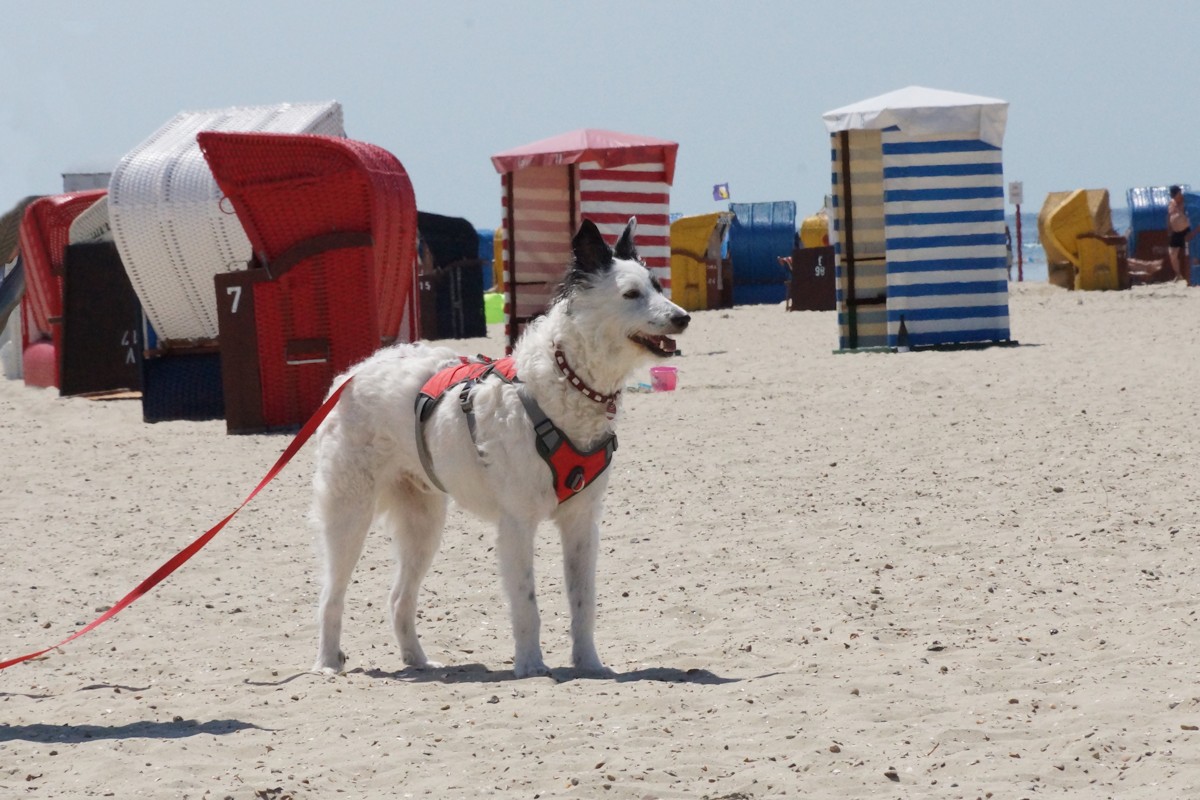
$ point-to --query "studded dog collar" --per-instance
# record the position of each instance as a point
(608, 400)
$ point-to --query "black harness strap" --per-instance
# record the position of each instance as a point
(432, 393)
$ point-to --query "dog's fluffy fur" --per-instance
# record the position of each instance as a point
(610, 316)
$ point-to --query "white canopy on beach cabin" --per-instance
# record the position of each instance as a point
(917, 110)
(918, 218)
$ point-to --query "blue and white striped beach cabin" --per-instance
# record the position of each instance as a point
(918, 219)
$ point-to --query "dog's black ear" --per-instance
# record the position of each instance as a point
(626, 249)
(592, 253)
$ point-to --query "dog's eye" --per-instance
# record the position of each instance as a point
(632, 294)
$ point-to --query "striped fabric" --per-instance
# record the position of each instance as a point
(541, 239)
(544, 224)
(942, 229)
(609, 197)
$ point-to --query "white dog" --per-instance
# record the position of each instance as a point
(514, 451)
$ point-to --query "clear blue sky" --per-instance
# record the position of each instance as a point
(1102, 93)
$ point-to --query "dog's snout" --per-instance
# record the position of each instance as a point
(681, 321)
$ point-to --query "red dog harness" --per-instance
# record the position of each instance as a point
(571, 469)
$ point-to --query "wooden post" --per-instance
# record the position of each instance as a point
(510, 247)
(1020, 249)
(848, 242)
(572, 211)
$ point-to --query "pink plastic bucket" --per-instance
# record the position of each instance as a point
(662, 379)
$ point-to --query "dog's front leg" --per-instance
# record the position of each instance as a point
(580, 536)
(514, 550)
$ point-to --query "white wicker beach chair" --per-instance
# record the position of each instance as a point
(168, 222)
(92, 225)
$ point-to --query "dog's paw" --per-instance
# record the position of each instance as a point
(587, 664)
(414, 657)
(326, 669)
(326, 666)
(596, 670)
(531, 669)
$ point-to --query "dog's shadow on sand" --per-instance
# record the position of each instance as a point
(479, 673)
(49, 733)
(177, 728)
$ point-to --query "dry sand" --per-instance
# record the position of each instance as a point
(950, 575)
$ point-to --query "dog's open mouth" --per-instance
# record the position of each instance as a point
(659, 345)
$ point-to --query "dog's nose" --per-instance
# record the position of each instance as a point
(681, 320)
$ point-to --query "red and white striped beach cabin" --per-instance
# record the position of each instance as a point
(552, 185)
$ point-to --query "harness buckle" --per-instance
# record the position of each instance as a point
(464, 397)
(548, 436)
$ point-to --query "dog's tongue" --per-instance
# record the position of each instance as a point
(665, 344)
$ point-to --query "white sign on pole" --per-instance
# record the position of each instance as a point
(1015, 189)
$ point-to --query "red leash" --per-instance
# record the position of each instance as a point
(183, 555)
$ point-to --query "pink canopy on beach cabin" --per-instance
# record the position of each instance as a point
(552, 185)
(607, 148)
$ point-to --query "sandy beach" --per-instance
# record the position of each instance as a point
(962, 574)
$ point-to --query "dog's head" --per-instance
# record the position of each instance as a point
(611, 291)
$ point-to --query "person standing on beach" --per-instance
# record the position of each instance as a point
(1179, 228)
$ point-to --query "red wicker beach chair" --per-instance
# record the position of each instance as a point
(333, 225)
(44, 235)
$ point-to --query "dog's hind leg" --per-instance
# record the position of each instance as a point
(514, 551)
(416, 518)
(580, 536)
(343, 517)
